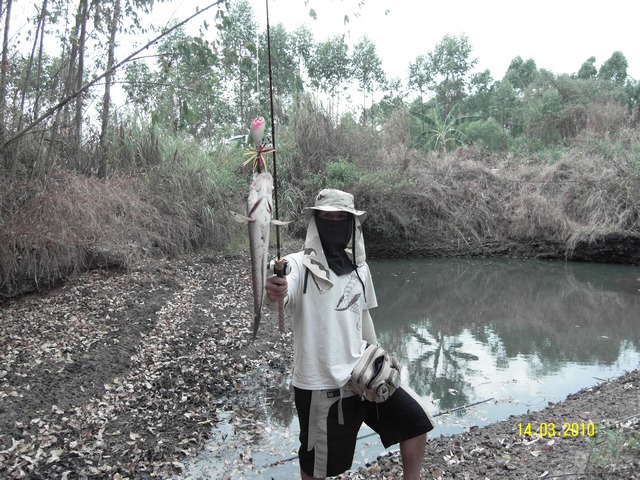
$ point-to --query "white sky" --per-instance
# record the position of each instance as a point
(558, 34)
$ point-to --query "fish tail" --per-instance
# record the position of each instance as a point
(281, 316)
(256, 325)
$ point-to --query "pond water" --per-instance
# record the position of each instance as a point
(509, 335)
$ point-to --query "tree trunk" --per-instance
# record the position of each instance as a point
(36, 57)
(4, 67)
(108, 79)
(41, 25)
(83, 18)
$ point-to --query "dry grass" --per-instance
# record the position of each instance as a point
(470, 197)
(49, 229)
(72, 222)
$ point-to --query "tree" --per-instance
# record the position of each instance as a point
(447, 68)
(63, 90)
(521, 74)
(588, 69)
(4, 68)
(543, 107)
(188, 85)
(393, 99)
(113, 26)
(109, 21)
(302, 45)
(633, 92)
(420, 75)
(421, 79)
(284, 68)
(614, 69)
(238, 43)
(505, 107)
(367, 69)
(329, 66)
(481, 89)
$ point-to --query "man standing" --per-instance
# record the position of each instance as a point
(330, 292)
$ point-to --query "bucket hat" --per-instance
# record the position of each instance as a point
(332, 200)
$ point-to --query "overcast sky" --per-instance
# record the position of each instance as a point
(558, 34)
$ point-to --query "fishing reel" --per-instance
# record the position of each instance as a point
(279, 268)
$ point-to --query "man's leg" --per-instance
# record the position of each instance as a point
(326, 445)
(304, 476)
(412, 453)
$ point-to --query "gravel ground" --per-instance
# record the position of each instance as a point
(122, 375)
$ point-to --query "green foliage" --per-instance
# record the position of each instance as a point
(367, 69)
(445, 70)
(606, 450)
(238, 61)
(614, 69)
(488, 135)
(340, 174)
(329, 65)
(181, 93)
(588, 69)
(285, 73)
(482, 90)
(443, 132)
(521, 74)
(542, 114)
(420, 75)
(505, 105)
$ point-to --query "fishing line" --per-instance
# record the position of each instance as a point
(273, 135)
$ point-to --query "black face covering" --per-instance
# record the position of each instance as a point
(335, 236)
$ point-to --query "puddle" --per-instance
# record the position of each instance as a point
(258, 437)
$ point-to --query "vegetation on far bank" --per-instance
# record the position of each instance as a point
(446, 161)
(67, 222)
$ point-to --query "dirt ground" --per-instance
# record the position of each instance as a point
(122, 375)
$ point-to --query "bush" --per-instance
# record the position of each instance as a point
(488, 135)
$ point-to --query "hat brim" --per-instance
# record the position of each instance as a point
(360, 214)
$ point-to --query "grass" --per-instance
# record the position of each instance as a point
(612, 451)
(73, 222)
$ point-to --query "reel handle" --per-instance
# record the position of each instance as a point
(280, 267)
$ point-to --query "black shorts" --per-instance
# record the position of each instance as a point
(327, 447)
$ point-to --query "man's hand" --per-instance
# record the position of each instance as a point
(276, 288)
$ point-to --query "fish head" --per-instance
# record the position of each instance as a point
(260, 194)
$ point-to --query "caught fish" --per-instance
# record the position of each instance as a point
(259, 220)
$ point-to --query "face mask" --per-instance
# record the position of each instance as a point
(335, 236)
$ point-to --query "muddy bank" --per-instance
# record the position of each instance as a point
(618, 248)
(122, 375)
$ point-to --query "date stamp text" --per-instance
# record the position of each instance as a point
(551, 429)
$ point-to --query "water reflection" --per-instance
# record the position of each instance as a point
(450, 321)
(522, 332)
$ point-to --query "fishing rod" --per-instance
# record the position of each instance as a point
(273, 136)
(443, 412)
(280, 265)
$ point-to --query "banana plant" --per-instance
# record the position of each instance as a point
(443, 130)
